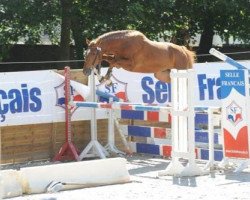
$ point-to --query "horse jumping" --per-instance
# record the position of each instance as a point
(133, 51)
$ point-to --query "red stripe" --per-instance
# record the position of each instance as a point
(196, 153)
(160, 132)
(152, 116)
(126, 107)
(169, 118)
(106, 105)
(166, 151)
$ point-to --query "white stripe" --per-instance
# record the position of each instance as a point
(145, 116)
(124, 129)
(117, 114)
(152, 133)
(160, 150)
(163, 116)
(132, 146)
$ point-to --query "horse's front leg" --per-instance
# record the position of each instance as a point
(109, 73)
(97, 71)
(108, 76)
(105, 78)
(118, 61)
(163, 76)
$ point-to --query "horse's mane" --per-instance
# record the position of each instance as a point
(121, 34)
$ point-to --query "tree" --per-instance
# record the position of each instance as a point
(66, 12)
(27, 20)
(222, 17)
(239, 22)
(72, 21)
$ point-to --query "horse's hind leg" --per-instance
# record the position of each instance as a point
(163, 76)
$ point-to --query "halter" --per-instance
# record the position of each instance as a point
(97, 68)
(98, 50)
(86, 70)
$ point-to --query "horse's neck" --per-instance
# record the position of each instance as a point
(112, 45)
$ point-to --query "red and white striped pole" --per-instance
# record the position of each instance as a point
(68, 150)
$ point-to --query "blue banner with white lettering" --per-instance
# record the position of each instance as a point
(232, 79)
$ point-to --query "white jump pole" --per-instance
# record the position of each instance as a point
(226, 59)
(183, 142)
(94, 148)
(110, 147)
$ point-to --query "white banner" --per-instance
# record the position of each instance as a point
(38, 97)
(144, 88)
(208, 82)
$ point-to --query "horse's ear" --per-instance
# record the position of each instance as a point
(87, 41)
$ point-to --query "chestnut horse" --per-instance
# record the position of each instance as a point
(133, 51)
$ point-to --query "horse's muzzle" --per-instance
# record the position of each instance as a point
(86, 71)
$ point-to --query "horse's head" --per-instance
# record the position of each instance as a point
(92, 59)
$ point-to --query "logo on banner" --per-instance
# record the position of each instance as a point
(232, 79)
(60, 96)
(117, 88)
(234, 113)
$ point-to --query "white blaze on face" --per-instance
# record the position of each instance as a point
(87, 52)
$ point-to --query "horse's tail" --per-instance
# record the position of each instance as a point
(191, 56)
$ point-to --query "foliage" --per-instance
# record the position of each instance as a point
(28, 19)
(171, 20)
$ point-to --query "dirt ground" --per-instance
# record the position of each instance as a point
(145, 184)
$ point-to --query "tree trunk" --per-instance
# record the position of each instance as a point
(182, 37)
(206, 40)
(65, 30)
(79, 41)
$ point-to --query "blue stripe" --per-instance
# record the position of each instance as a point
(234, 63)
(201, 136)
(142, 131)
(139, 131)
(104, 97)
(86, 104)
(147, 108)
(218, 155)
(201, 119)
(131, 114)
(155, 150)
(148, 148)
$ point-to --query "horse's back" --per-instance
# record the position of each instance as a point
(120, 35)
(122, 43)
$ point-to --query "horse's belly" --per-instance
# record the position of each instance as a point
(150, 64)
(150, 69)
